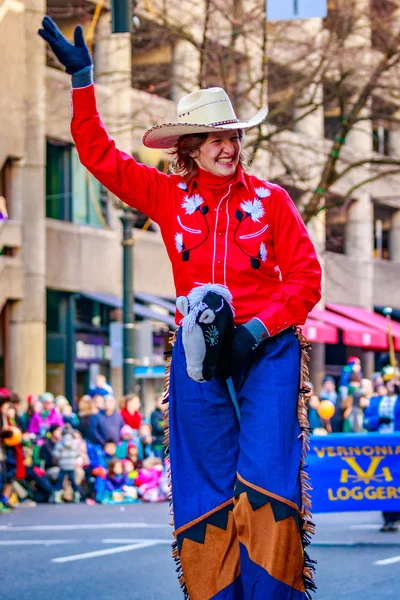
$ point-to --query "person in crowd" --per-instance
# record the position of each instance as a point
(67, 454)
(133, 455)
(130, 470)
(157, 420)
(6, 477)
(101, 387)
(354, 384)
(70, 417)
(47, 459)
(377, 380)
(127, 435)
(38, 484)
(131, 411)
(312, 412)
(98, 402)
(43, 419)
(328, 391)
(353, 365)
(86, 409)
(367, 388)
(99, 459)
(148, 480)
(118, 486)
(107, 424)
(145, 441)
(383, 415)
(380, 390)
(353, 415)
(16, 403)
(14, 454)
(31, 401)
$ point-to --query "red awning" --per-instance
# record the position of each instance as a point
(367, 317)
(354, 333)
(316, 331)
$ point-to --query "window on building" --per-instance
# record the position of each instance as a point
(92, 315)
(152, 59)
(383, 216)
(381, 139)
(72, 194)
(54, 301)
(58, 180)
(383, 115)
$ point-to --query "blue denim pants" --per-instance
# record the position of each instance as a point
(236, 490)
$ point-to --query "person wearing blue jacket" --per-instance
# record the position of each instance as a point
(383, 415)
(106, 425)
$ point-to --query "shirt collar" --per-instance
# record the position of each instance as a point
(241, 178)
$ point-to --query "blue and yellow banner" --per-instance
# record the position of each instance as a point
(355, 472)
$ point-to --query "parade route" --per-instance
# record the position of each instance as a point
(98, 552)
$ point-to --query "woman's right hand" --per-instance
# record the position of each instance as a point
(74, 57)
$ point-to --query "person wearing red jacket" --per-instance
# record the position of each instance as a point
(130, 412)
(239, 491)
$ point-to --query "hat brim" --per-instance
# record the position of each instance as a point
(166, 136)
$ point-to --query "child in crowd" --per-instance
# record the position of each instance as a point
(69, 417)
(127, 436)
(145, 442)
(99, 461)
(133, 455)
(312, 412)
(157, 420)
(118, 486)
(67, 453)
(328, 391)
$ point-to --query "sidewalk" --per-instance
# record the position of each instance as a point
(352, 529)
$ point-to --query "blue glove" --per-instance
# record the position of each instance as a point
(73, 57)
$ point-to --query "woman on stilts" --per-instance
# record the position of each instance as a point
(239, 490)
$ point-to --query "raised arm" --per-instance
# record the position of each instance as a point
(140, 186)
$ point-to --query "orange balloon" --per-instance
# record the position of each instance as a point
(16, 437)
(326, 410)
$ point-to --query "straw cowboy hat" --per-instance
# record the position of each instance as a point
(203, 111)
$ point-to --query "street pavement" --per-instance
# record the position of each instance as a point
(123, 552)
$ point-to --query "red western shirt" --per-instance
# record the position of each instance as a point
(251, 238)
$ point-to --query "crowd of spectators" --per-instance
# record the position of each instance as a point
(102, 453)
(350, 405)
(108, 453)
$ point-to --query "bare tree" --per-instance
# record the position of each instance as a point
(343, 72)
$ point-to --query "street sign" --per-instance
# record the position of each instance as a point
(284, 10)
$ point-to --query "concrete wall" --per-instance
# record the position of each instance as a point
(88, 259)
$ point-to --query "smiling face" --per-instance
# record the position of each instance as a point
(219, 154)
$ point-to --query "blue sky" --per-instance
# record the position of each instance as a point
(292, 9)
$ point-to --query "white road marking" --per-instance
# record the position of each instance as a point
(366, 527)
(35, 542)
(78, 527)
(96, 553)
(387, 561)
(134, 541)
